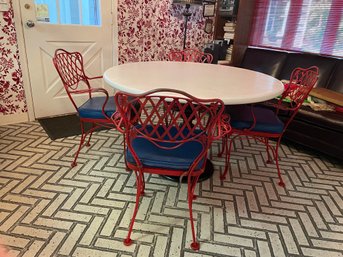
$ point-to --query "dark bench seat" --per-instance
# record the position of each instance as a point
(319, 130)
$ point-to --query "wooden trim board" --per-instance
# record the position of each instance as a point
(328, 95)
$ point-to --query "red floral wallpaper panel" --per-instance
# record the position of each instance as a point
(149, 29)
(12, 97)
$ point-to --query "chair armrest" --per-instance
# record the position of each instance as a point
(223, 127)
(118, 121)
(90, 90)
(95, 90)
(98, 77)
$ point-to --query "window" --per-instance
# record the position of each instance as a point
(82, 12)
(314, 26)
(338, 49)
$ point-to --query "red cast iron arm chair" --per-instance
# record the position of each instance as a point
(70, 68)
(263, 123)
(190, 55)
(160, 141)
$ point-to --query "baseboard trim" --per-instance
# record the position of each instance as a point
(13, 118)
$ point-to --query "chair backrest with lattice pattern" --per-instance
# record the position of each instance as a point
(169, 118)
(301, 83)
(69, 66)
(190, 55)
(299, 87)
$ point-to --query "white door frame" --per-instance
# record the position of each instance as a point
(23, 56)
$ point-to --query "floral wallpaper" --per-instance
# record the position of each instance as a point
(149, 29)
(12, 97)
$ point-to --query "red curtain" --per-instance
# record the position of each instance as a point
(314, 26)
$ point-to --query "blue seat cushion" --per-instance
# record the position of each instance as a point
(180, 158)
(92, 108)
(266, 120)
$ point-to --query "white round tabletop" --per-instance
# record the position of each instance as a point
(230, 84)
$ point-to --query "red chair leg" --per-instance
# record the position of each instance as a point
(191, 186)
(143, 185)
(82, 140)
(266, 142)
(227, 159)
(224, 142)
(90, 135)
(127, 240)
(281, 182)
(126, 167)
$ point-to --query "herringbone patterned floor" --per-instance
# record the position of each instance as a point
(49, 209)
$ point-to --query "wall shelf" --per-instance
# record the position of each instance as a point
(226, 11)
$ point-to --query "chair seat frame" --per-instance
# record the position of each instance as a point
(155, 112)
(302, 81)
(70, 67)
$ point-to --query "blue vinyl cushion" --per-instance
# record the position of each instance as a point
(266, 120)
(92, 108)
(153, 156)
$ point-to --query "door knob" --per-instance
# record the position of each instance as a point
(30, 23)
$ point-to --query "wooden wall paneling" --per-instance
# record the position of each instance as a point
(243, 28)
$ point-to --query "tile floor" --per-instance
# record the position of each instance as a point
(49, 209)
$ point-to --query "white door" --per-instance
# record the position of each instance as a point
(74, 25)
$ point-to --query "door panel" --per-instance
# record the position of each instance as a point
(94, 42)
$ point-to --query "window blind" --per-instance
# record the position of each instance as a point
(314, 26)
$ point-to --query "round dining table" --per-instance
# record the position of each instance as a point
(230, 84)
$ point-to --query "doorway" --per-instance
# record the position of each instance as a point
(75, 25)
